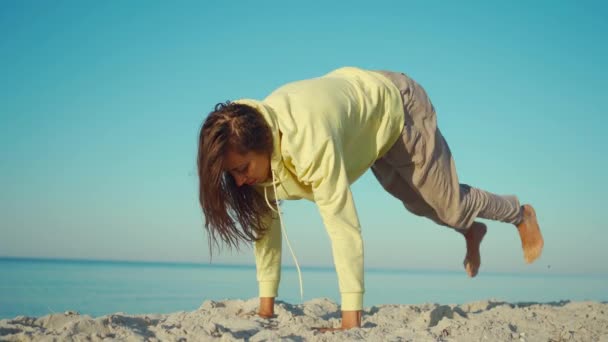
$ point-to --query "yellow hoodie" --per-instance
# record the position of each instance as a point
(327, 132)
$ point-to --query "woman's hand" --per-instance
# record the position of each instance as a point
(266, 309)
(350, 319)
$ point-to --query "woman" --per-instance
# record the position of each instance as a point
(312, 139)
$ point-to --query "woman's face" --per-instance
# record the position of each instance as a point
(249, 168)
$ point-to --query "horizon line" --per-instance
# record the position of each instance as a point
(290, 267)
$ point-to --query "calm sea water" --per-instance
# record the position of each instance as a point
(36, 287)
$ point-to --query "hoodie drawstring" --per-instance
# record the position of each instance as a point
(278, 211)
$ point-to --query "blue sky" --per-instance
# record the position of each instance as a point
(101, 103)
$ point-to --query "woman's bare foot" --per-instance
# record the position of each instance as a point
(473, 236)
(529, 232)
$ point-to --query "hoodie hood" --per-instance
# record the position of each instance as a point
(289, 187)
(271, 119)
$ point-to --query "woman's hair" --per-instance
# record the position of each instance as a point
(233, 214)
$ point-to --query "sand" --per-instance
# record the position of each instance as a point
(235, 320)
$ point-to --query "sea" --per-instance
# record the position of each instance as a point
(38, 287)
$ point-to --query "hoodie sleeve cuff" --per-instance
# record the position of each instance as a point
(352, 301)
(269, 288)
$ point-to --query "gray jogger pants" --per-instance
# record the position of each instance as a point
(419, 169)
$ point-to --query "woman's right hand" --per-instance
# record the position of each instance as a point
(266, 309)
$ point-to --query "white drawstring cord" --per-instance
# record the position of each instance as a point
(278, 210)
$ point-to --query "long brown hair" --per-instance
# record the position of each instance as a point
(233, 214)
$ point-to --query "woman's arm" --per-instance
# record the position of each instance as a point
(268, 264)
(327, 175)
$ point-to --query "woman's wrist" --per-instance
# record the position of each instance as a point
(351, 319)
(266, 308)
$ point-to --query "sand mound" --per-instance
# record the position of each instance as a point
(232, 320)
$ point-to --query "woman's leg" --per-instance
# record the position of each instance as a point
(423, 160)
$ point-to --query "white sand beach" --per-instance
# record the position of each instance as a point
(235, 320)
